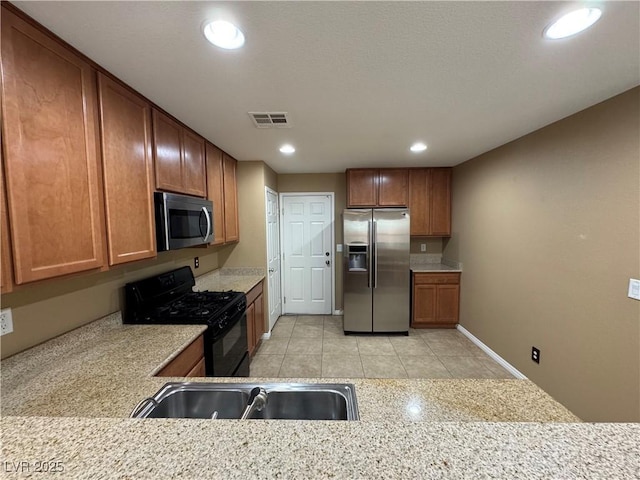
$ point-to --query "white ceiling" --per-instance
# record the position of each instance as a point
(361, 81)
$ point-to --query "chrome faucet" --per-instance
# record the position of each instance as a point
(257, 401)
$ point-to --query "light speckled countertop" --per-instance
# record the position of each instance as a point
(433, 267)
(67, 400)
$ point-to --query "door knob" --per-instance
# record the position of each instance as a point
(328, 262)
(271, 270)
(326, 253)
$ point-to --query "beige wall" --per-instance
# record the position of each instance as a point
(434, 245)
(46, 309)
(323, 182)
(547, 228)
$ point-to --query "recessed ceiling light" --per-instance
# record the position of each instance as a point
(572, 23)
(418, 147)
(224, 34)
(287, 149)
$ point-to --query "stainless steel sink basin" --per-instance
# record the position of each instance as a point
(285, 401)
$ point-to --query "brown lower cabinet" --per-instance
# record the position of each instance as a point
(436, 299)
(188, 363)
(255, 317)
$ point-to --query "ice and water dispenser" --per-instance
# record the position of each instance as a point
(357, 258)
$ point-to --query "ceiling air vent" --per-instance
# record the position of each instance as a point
(270, 119)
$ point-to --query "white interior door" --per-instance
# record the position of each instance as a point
(307, 242)
(273, 257)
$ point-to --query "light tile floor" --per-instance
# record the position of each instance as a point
(315, 346)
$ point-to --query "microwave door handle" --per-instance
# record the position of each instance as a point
(206, 214)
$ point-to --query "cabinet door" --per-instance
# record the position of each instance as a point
(167, 136)
(125, 121)
(424, 304)
(419, 206)
(259, 318)
(251, 327)
(193, 169)
(51, 157)
(440, 197)
(232, 231)
(215, 188)
(392, 187)
(198, 370)
(362, 187)
(447, 304)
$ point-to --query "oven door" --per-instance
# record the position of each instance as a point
(227, 354)
(182, 221)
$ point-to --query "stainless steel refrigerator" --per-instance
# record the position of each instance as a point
(376, 276)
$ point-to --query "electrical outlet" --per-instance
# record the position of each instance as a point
(196, 262)
(423, 247)
(6, 321)
(634, 288)
(535, 354)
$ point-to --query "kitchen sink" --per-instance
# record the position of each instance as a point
(285, 401)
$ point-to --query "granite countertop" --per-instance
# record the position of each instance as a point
(67, 401)
(433, 267)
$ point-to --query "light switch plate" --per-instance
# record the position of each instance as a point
(6, 321)
(634, 288)
(338, 247)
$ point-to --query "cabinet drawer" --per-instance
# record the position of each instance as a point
(254, 293)
(436, 278)
(198, 370)
(185, 361)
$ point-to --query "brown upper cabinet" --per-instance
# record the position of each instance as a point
(125, 121)
(215, 188)
(53, 175)
(223, 192)
(430, 201)
(231, 224)
(372, 187)
(179, 157)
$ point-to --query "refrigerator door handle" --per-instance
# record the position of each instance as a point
(375, 254)
(369, 263)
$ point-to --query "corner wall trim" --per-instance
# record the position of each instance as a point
(506, 365)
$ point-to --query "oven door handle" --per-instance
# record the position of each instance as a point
(206, 214)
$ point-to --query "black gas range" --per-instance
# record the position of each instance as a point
(169, 298)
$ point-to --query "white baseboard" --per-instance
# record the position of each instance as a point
(266, 335)
(337, 312)
(506, 365)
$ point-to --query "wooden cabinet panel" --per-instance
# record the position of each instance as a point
(419, 201)
(193, 168)
(255, 317)
(259, 303)
(167, 136)
(215, 189)
(231, 226)
(392, 187)
(125, 120)
(362, 187)
(6, 280)
(372, 187)
(440, 195)
(436, 299)
(430, 201)
(447, 303)
(424, 304)
(199, 370)
(179, 157)
(185, 361)
(51, 158)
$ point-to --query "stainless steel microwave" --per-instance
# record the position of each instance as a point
(182, 221)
